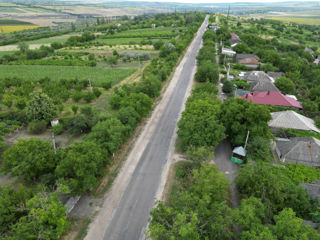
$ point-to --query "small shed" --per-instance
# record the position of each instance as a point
(238, 154)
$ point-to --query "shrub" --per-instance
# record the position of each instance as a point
(227, 87)
(107, 85)
(37, 127)
(74, 109)
(76, 96)
(96, 92)
(58, 129)
(88, 97)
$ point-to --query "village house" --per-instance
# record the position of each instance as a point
(292, 120)
(273, 98)
(300, 150)
(259, 81)
(235, 39)
(228, 52)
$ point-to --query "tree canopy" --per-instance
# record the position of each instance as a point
(30, 159)
(40, 107)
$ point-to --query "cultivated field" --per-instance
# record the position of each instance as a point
(97, 74)
(13, 28)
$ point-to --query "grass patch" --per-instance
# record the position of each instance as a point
(300, 20)
(13, 22)
(10, 10)
(97, 75)
(122, 41)
(5, 52)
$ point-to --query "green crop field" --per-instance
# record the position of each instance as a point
(122, 41)
(7, 22)
(10, 10)
(5, 52)
(148, 33)
(98, 75)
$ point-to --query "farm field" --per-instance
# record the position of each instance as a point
(15, 28)
(122, 41)
(148, 33)
(97, 74)
(300, 20)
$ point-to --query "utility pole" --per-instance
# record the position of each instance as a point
(90, 86)
(245, 145)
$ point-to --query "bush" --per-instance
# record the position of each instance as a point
(88, 97)
(96, 92)
(74, 109)
(227, 87)
(76, 96)
(37, 127)
(107, 85)
(58, 129)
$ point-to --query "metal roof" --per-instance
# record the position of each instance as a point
(240, 151)
(292, 120)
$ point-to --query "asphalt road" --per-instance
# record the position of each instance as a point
(131, 217)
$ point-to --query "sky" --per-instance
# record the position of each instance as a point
(221, 1)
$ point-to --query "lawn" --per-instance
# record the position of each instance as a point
(98, 75)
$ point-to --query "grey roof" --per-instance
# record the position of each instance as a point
(276, 75)
(240, 151)
(313, 189)
(292, 120)
(244, 56)
(259, 81)
(300, 150)
(309, 50)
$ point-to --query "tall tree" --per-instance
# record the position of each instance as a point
(40, 107)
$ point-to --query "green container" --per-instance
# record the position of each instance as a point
(236, 160)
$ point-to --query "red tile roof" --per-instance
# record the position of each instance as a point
(271, 98)
(251, 61)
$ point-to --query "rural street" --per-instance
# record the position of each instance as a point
(142, 175)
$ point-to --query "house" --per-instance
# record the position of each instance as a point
(235, 39)
(244, 56)
(309, 50)
(259, 81)
(292, 120)
(273, 98)
(313, 189)
(251, 63)
(300, 150)
(214, 27)
(276, 75)
(228, 52)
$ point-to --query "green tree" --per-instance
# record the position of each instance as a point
(207, 72)
(109, 134)
(128, 116)
(46, 219)
(199, 124)
(74, 109)
(259, 148)
(29, 159)
(288, 226)
(285, 85)
(276, 190)
(11, 206)
(141, 103)
(311, 108)
(238, 116)
(40, 107)
(227, 87)
(80, 166)
(23, 47)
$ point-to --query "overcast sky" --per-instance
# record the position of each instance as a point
(215, 1)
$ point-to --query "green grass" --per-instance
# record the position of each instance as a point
(97, 75)
(13, 22)
(5, 52)
(122, 41)
(147, 33)
(10, 10)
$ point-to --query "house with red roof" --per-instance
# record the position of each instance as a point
(273, 98)
(235, 39)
